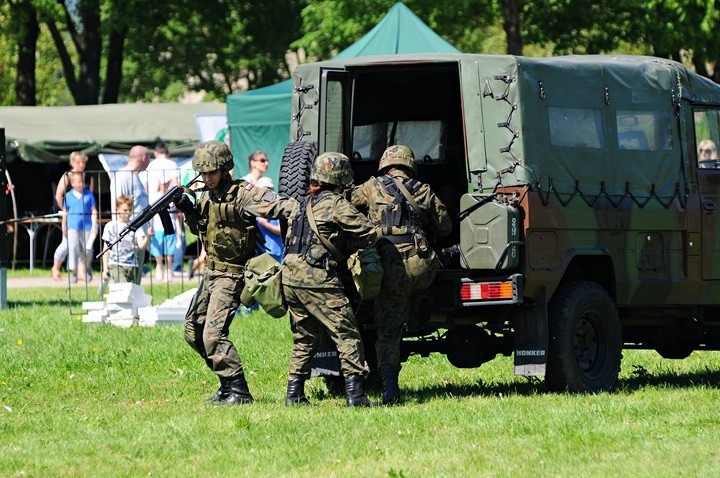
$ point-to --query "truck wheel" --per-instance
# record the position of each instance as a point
(675, 351)
(295, 168)
(585, 343)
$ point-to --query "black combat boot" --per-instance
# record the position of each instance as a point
(354, 391)
(391, 389)
(239, 392)
(222, 392)
(296, 392)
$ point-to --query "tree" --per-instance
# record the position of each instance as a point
(676, 29)
(28, 31)
(219, 47)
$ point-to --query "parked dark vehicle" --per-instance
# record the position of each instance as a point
(584, 222)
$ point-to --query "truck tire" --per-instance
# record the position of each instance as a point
(295, 168)
(585, 343)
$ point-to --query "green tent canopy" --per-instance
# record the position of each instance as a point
(48, 134)
(260, 119)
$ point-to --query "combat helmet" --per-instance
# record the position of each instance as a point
(398, 155)
(332, 168)
(211, 156)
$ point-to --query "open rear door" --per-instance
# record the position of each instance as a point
(335, 96)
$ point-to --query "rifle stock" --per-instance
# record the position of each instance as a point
(158, 207)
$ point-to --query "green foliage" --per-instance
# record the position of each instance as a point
(164, 50)
(664, 28)
(219, 47)
(329, 26)
(79, 400)
(8, 60)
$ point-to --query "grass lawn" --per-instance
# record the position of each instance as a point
(85, 400)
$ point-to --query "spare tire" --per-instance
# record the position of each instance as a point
(295, 168)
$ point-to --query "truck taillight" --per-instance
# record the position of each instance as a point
(486, 291)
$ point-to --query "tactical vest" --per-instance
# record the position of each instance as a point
(302, 240)
(230, 236)
(398, 221)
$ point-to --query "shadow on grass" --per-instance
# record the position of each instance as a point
(18, 304)
(639, 380)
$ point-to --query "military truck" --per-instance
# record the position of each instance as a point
(583, 220)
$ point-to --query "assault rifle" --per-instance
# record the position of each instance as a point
(176, 195)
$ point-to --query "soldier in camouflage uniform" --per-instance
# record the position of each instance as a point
(224, 219)
(311, 283)
(405, 229)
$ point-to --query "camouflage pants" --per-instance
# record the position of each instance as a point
(208, 319)
(311, 310)
(404, 273)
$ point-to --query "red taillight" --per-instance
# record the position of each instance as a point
(486, 291)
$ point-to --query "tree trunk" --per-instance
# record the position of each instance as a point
(25, 88)
(90, 53)
(113, 75)
(511, 25)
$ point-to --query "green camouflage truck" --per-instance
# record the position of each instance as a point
(585, 221)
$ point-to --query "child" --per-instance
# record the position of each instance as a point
(121, 262)
(79, 226)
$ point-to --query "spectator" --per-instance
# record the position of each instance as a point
(121, 261)
(162, 175)
(270, 236)
(707, 154)
(258, 166)
(79, 226)
(78, 161)
(126, 182)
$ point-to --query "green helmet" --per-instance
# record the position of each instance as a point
(211, 156)
(332, 168)
(398, 155)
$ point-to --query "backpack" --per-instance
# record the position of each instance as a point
(263, 284)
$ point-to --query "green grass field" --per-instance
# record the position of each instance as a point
(86, 400)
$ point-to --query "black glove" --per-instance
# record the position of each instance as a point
(186, 203)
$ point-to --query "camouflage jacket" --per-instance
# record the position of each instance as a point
(339, 222)
(372, 197)
(226, 221)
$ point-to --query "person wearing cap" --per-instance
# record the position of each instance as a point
(223, 217)
(408, 218)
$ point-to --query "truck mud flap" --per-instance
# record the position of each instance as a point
(325, 362)
(531, 338)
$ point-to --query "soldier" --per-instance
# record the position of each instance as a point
(311, 284)
(224, 219)
(407, 216)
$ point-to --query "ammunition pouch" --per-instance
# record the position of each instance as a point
(367, 272)
(263, 285)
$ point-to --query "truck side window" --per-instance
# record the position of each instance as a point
(644, 130)
(707, 132)
(576, 127)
